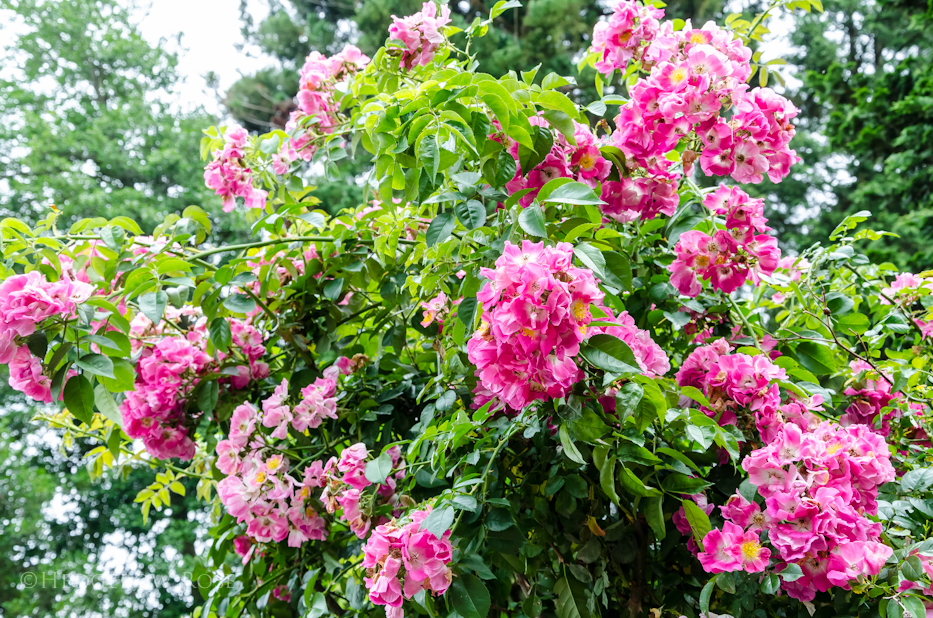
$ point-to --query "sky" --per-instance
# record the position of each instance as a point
(210, 35)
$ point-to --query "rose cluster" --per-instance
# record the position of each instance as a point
(731, 382)
(316, 105)
(154, 410)
(869, 396)
(345, 479)
(258, 489)
(25, 302)
(405, 552)
(907, 289)
(536, 311)
(420, 34)
(229, 175)
(622, 37)
(730, 257)
(818, 487)
(536, 307)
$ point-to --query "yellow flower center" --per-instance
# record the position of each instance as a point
(833, 448)
(699, 38)
(580, 311)
(751, 550)
(260, 477)
(702, 261)
(678, 75)
(273, 464)
(587, 162)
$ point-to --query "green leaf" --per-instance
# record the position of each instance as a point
(627, 399)
(636, 454)
(816, 358)
(219, 333)
(607, 479)
(472, 214)
(635, 486)
(770, 584)
(469, 596)
(124, 377)
(378, 469)
(152, 304)
(792, 572)
(588, 427)
(573, 193)
(542, 140)
(705, 595)
(440, 228)
(106, 404)
(96, 364)
(506, 166)
(912, 569)
(682, 484)
(532, 221)
(466, 311)
(551, 99)
(239, 303)
(208, 392)
(438, 520)
(498, 520)
(318, 606)
(609, 353)
(429, 153)
(79, 398)
(698, 520)
(913, 605)
(695, 394)
(571, 599)
(570, 449)
(501, 6)
(655, 514)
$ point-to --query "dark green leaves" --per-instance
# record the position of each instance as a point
(440, 228)
(79, 398)
(571, 599)
(469, 596)
(532, 221)
(682, 484)
(471, 214)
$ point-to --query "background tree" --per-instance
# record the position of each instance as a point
(864, 129)
(85, 122)
(64, 528)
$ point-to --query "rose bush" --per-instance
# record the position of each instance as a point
(541, 371)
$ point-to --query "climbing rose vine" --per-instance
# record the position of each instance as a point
(555, 365)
